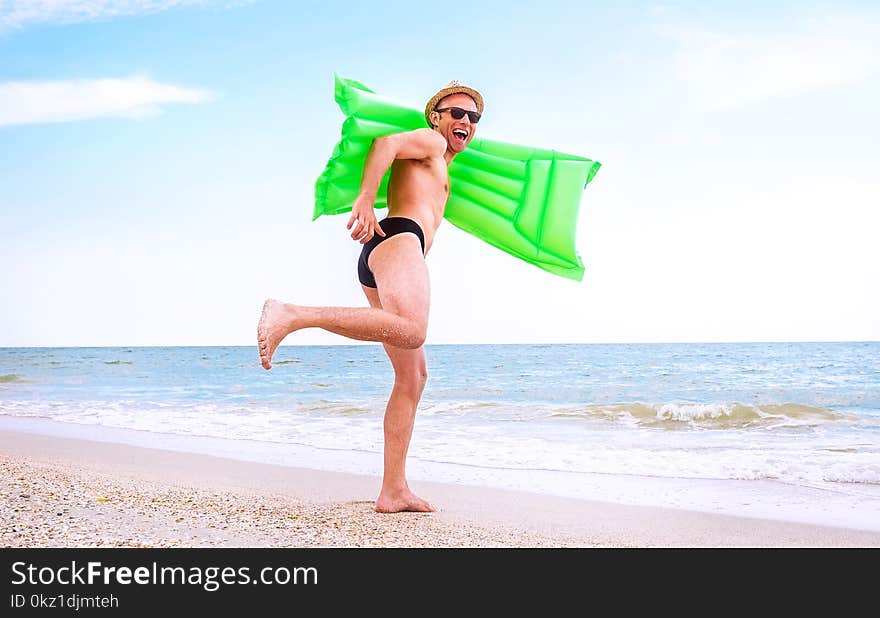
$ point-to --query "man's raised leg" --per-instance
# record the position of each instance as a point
(402, 323)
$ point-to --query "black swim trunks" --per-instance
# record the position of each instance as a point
(391, 226)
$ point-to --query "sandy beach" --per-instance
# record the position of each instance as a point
(66, 492)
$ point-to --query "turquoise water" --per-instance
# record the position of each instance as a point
(802, 414)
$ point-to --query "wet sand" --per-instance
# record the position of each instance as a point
(67, 492)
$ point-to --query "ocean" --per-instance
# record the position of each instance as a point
(777, 430)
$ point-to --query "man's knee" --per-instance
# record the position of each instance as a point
(409, 369)
(412, 381)
(417, 339)
(413, 336)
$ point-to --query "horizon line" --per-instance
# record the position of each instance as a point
(533, 343)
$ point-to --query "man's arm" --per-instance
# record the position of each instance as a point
(417, 144)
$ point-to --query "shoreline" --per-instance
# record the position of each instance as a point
(73, 492)
(771, 499)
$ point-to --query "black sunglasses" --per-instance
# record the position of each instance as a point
(458, 113)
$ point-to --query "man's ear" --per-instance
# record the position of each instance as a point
(435, 119)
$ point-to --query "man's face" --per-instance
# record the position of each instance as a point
(458, 132)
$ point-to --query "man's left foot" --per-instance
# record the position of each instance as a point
(396, 502)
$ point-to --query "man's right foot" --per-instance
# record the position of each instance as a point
(395, 502)
(274, 325)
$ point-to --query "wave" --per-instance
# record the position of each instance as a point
(12, 378)
(708, 415)
(532, 438)
(341, 408)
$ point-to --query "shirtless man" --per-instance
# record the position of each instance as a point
(392, 270)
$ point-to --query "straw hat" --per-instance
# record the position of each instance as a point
(453, 87)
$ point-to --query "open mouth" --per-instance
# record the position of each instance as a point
(460, 134)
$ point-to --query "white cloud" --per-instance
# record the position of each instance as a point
(15, 14)
(31, 102)
(729, 70)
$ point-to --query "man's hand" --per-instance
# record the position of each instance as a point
(363, 217)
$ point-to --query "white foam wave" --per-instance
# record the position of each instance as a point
(714, 415)
(469, 433)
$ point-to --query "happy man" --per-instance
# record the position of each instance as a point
(392, 270)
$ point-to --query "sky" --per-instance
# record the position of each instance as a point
(158, 161)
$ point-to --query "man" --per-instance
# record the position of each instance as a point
(392, 270)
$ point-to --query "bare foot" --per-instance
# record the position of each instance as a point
(405, 500)
(275, 325)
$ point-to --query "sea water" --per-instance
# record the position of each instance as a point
(786, 430)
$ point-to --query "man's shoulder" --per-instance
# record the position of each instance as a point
(425, 136)
(418, 144)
